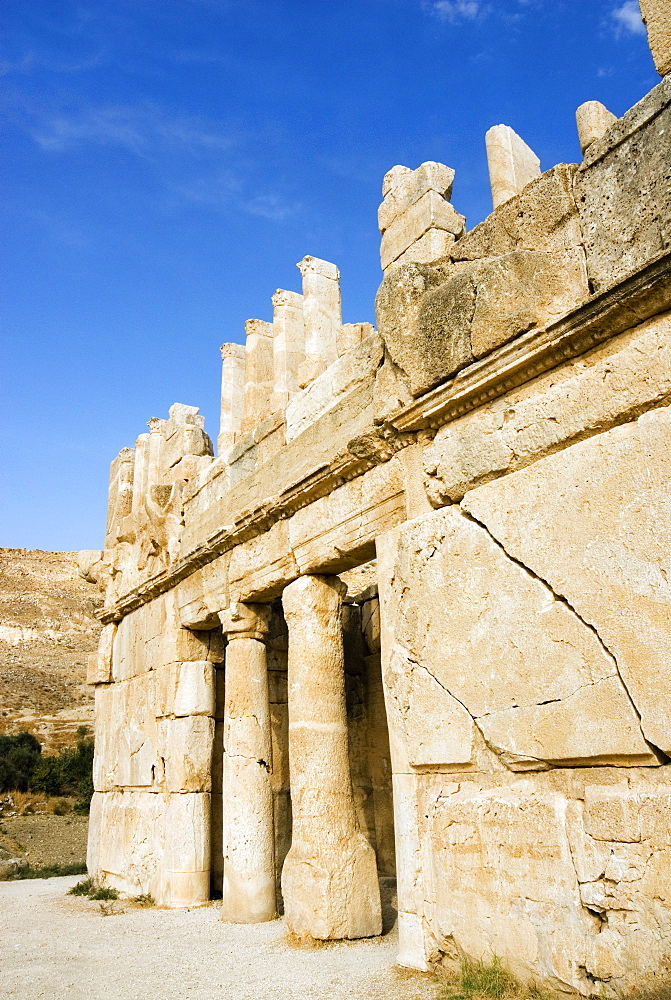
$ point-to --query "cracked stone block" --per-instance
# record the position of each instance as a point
(127, 852)
(126, 735)
(185, 747)
(626, 376)
(523, 290)
(593, 521)
(535, 678)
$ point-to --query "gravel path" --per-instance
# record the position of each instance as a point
(62, 947)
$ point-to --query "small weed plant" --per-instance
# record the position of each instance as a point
(487, 981)
(144, 899)
(92, 890)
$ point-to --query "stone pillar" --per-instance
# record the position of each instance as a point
(329, 880)
(140, 473)
(288, 345)
(512, 164)
(417, 221)
(155, 453)
(120, 499)
(232, 395)
(593, 120)
(249, 836)
(258, 373)
(322, 315)
(656, 16)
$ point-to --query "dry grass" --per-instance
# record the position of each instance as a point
(661, 991)
(34, 803)
(486, 981)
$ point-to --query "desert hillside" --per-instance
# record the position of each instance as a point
(47, 628)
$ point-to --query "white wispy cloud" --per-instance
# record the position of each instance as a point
(272, 207)
(32, 60)
(230, 190)
(141, 129)
(627, 18)
(454, 10)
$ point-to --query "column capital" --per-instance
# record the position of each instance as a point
(245, 621)
(312, 594)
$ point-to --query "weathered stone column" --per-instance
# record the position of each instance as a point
(593, 121)
(288, 345)
(232, 395)
(329, 880)
(322, 315)
(249, 837)
(259, 373)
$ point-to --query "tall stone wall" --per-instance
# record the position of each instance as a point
(414, 618)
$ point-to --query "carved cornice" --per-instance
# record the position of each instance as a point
(633, 300)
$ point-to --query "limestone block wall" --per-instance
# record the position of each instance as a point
(155, 731)
(525, 637)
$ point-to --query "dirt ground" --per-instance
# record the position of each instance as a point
(64, 947)
(45, 839)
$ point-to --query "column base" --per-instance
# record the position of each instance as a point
(248, 900)
(335, 897)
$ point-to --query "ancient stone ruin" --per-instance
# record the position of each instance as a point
(414, 619)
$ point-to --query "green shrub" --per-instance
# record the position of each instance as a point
(82, 888)
(67, 773)
(20, 755)
(144, 899)
(47, 871)
(89, 887)
(102, 892)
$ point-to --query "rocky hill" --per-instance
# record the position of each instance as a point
(47, 628)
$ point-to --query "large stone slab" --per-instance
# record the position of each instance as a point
(466, 618)
(566, 878)
(610, 384)
(594, 522)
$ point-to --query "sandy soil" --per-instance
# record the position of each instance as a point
(45, 839)
(62, 947)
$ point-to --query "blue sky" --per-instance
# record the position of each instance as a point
(169, 161)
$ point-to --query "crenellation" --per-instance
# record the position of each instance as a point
(656, 16)
(593, 120)
(416, 219)
(512, 164)
(414, 621)
(259, 373)
(288, 345)
(232, 396)
(322, 316)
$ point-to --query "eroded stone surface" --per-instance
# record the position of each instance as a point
(329, 880)
(593, 522)
(507, 654)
